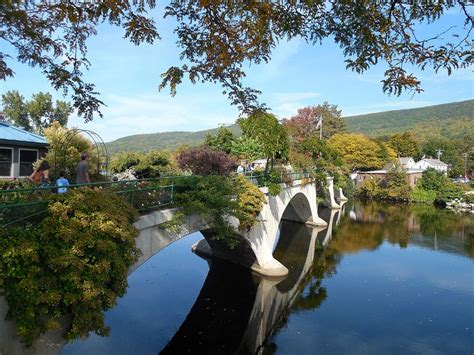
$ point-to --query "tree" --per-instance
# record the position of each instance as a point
(222, 140)
(303, 124)
(64, 151)
(395, 186)
(205, 161)
(271, 134)
(37, 114)
(247, 148)
(358, 152)
(307, 150)
(433, 180)
(219, 38)
(405, 144)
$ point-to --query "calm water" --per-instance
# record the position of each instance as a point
(382, 280)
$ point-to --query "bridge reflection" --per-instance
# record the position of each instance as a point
(236, 311)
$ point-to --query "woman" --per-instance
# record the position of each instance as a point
(40, 176)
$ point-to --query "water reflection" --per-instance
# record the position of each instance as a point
(421, 225)
(218, 319)
(371, 282)
(236, 311)
(363, 294)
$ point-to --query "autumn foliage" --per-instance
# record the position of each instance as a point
(205, 161)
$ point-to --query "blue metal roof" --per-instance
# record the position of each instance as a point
(15, 134)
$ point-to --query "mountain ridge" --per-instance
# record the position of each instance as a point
(451, 120)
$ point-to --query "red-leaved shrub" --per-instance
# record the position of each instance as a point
(205, 161)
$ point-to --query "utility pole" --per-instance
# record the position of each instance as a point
(439, 153)
(319, 124)
(465, 155)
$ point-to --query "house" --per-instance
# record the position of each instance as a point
(412, 176)
(19, 149)
(436, 164)
(406, 162)
(362, 176)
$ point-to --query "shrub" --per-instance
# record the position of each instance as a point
(349, 188)
(205, 161)
(448, 192)
(217, 198)
(213, 198)
(468, 198)
(433, 180)
(274, 188)
(369, 190)
(150, 165)
(423, 196)
(274, 180)
(251, 201)
(75, 262)
(124, 161)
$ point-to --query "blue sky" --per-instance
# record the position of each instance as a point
(298, 75)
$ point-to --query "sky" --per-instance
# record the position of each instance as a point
(298, 75)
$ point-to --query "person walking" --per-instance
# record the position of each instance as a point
(40, 176)
(82, 170)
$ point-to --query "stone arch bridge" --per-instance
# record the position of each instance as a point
(295, 203)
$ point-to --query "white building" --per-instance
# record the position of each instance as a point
(436, 164)
(406, 162)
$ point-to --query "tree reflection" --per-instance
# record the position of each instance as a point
(402, 225)
(422, 225)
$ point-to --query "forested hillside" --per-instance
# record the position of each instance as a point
(453, 120)
(163, 140)
(448, 120)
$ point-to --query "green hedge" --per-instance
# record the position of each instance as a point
(75, 262)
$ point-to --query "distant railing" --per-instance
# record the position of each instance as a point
(27, 206)
(263, 180)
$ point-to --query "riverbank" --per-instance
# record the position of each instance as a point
(460, 206)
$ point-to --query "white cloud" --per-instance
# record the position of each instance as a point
(285, 104)
(142, 114)
(280, 58)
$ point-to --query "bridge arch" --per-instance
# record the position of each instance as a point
(298, 209)
(295, 203)
(152, 238)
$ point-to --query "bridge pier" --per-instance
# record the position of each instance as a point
(332, 201)
(341, 198)
(296, 203)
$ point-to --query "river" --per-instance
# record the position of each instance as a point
(381, 280)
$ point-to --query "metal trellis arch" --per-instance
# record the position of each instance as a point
(98, 145)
